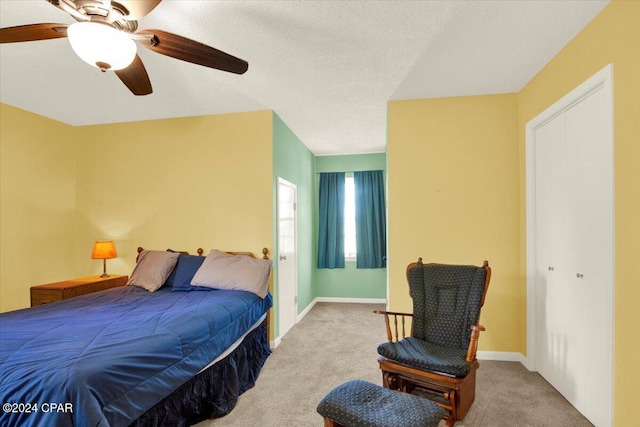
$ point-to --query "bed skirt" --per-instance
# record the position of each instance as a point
(214, 392)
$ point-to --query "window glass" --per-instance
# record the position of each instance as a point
(349, 219)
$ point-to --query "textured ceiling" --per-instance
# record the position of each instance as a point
(327, 68)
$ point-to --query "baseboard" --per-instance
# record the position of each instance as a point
(306, 310)
(505, 356)
(273, 344)
(352, 300)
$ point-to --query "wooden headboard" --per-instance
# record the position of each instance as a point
(200, 251)
(265, 253)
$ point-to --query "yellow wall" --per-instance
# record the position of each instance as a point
(180, 183)
(37, 204)
(612, 37)
(454, 198)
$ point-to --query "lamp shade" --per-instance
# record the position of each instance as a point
(101, 45)
(104, 249)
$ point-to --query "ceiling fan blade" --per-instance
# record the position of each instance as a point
(138, 8)
(32, 32)
(135, 77)
(192, 51)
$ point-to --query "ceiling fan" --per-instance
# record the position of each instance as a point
(105, 34)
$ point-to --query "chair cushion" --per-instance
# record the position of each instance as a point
(360, 403)
(427, 356)
(446, 302)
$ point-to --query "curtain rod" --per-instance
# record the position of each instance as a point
(359, 170)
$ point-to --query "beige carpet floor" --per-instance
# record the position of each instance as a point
(335, 343)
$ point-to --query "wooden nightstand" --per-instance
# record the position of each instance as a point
(44, 294)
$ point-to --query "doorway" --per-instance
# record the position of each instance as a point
(287, 256)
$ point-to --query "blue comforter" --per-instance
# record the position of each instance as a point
(104, 359)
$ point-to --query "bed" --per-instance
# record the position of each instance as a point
(128, 356)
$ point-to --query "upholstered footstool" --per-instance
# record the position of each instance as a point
(360, 403)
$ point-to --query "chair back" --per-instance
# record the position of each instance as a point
(446, 301)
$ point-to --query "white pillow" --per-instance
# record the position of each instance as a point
(234, 272)
(152, 269)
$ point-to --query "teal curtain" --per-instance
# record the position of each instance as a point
(331, 232)
(371, 226)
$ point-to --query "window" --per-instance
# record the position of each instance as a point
(352, 222)
(349, 219)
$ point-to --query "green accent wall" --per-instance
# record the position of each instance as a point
(293, 161)
(351, 163)
(348, 282)
(351, 282)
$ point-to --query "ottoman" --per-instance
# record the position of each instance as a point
(360, 403)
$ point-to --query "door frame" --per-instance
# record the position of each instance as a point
(282, 181)
(603, 79)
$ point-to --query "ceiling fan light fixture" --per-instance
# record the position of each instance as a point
(101, 45)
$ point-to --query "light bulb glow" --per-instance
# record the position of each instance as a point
(99, 44)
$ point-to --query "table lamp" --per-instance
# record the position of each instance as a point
(104, 249)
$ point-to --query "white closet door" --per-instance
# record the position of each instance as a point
(560, 331)
(549, 145)
(589, 171)
(571, 246)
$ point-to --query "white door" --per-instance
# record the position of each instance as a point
(590, 175)
(572, 245)
(553, 328)
(561, 301)
(287, 257)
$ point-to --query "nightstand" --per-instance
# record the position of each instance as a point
(44, 294)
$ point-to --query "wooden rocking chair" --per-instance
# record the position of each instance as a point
(438, 359)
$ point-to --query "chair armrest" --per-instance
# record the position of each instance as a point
(473, 342)
(390, 335)
(395, 313)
